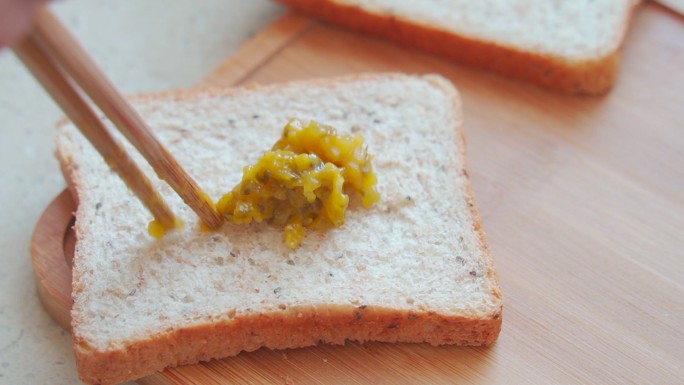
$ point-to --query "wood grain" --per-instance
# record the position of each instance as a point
(53, 273)
(258, 51)
(582, 200)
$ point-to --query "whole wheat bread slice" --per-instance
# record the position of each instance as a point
(569, 46)
(414, 267)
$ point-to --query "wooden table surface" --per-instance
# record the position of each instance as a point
(582, 200)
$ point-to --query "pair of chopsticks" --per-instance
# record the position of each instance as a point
(58, 62)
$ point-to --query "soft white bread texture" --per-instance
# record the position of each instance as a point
(568, 46)
(414, 268)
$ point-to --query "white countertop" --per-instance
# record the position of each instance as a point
(143, 45)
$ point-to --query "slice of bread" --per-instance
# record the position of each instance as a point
(568, 46)
(415, 267)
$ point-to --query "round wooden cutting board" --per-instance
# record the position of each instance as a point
(52, 249)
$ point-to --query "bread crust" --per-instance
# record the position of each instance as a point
(291, 327)
(470, 193)
(589, 77)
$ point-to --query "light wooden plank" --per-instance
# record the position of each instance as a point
(256, 52)
(582, 199)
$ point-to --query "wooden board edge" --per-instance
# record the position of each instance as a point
(47, 257)
(257, 51)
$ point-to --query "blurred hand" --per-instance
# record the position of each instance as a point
(15, 19)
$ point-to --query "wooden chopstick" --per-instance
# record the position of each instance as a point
(59, 44)
(77, 109)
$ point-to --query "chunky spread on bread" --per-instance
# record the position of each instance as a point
(303, 181)
(157, 230)
(345, 151)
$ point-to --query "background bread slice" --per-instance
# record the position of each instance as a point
(413, 268)
(568, 46)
